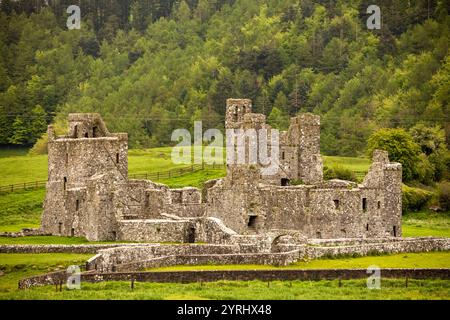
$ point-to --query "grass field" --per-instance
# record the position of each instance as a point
(23, 210)
(404, 260)
(18, 266)
(426, 223)
(244, 290)
(17, 167)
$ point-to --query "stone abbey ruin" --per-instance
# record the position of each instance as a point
(243, 218)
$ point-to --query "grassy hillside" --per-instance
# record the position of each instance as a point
(402, 260)
(28, 168)
(23, 209)
(18, 266)
(244, 290)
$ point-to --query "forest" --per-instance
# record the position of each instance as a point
(152, 66)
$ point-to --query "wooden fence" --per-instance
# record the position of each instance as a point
(155, 176)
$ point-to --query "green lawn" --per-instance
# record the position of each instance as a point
(244, 290)
(403, 260)
(21, 210)
(353, 164)
(19, 266)
(426, 223)
(49, 240)
(16, 167)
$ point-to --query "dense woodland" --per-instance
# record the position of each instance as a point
(151, 66)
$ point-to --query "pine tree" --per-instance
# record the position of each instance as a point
(20, 134)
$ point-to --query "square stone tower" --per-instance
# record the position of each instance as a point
(82, 169)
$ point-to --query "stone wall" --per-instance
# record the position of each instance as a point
(275, 249)
(235, 275)
(58, 248)
(154, 230)
(89, 194)
(83, 168)
(331, 209)
(275, 259)
(109, 258)
(389, 247)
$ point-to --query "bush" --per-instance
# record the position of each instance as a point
(401, 148)
(415, 199)
(425, 170)
(444, 195)
(339, 172)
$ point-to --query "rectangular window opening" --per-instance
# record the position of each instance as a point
(336, 204)
(364, 204)
(177, 197)
(252, 222)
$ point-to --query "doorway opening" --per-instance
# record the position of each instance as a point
(191, 235)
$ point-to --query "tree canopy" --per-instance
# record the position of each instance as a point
(151, 66)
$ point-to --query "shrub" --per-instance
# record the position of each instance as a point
(401, 148)
(415, 199)
(339, 172)
(444, 195)
(425, 170)
(298, 182)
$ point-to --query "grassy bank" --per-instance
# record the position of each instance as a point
(245, 290)
(23, 209)
(18, 266)
(426, 223)
(19, 168)
(403, 260)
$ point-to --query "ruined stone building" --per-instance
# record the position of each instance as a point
(90, 195)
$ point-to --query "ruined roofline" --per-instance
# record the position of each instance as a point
(86, 126)
(84, 116)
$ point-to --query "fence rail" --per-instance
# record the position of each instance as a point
(156, 176)
(161, 175)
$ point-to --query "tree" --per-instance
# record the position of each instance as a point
(281, 102)
(38, 123)
(278, 119)
(183, 12)
(432, 142)
(401, 148)
(20, 134)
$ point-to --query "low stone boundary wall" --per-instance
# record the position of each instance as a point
(135, 255)
(58, 248)
(356, 241)
(276, 259)
(24, 233)
(391, 247)
(236, 275)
